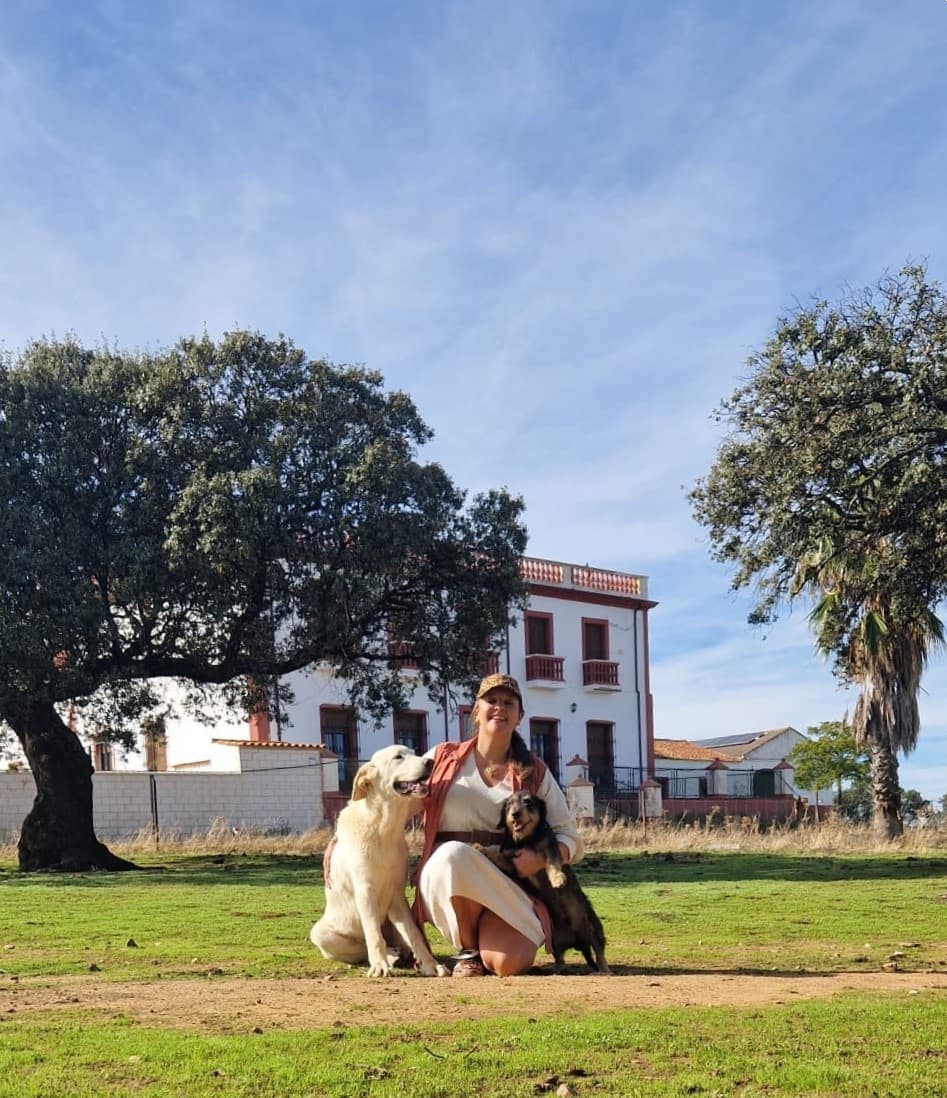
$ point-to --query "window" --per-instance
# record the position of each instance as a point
(464, 713)
(594, 639)
(155, 743)
(337, 729)
(102, 755)
(411, 730)
(483, 663)
(599, 737)
(544, 742)
(538, 634)
(541, 664)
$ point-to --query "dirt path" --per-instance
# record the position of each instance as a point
(218, 1004)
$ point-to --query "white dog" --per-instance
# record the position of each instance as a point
(368, 870)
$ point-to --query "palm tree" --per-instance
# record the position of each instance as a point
(880, 633)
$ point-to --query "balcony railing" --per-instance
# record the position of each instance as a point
(402, 654)
(546, 668)
(481, 664)
(602, 673)
(738, 784)
(582, 577)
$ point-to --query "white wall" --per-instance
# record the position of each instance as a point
(280, 791)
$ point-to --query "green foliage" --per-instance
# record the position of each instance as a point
(913, 804)
(228, 509)
(839, 436)
(831, 486)
(829, 757)
(855, 803)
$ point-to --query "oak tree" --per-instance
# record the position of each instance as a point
(221, 512)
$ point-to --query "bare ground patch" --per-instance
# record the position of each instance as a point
(223, 1005)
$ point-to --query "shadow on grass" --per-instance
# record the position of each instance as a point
(205, 869)
(608, 868)
(597, 869)
(674, 972)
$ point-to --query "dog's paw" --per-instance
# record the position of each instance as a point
(556, 876)
(431, 968)
(379, 968)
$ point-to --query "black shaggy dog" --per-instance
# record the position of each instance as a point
(574, 922)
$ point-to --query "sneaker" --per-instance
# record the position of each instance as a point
(468, 963)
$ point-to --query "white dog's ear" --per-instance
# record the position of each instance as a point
(365, 778)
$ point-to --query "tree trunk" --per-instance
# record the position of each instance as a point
(58, 832)
(885, 790)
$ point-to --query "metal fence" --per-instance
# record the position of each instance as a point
(691, 784)
(624, 781)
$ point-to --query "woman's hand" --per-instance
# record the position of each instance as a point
(528, 862)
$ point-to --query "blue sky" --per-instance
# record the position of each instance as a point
(562, 227)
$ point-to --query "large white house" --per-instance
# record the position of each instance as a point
(580, 653)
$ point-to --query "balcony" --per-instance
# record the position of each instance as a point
(402, 655)
(545, 670)
(600, 675)
(484, 664)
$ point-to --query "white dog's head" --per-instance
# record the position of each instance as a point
(393, 769)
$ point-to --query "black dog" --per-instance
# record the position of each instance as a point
(574, 922)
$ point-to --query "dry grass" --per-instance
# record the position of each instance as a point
(743, 835)
(747, 835)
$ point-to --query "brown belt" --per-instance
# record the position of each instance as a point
(485, 838)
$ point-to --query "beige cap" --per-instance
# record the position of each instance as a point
(500, 682)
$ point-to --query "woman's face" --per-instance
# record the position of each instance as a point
(499, 711)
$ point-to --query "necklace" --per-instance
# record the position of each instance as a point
(493, 770)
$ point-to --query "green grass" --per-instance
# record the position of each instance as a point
(851, 1046)
(773, 912)
(248, 916)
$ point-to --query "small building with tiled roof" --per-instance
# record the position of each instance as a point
(770, 743)
(682, 751)
(740, 764)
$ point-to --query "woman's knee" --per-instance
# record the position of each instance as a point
(513, 963)
(504, 950)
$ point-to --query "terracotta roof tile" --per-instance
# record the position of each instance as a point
(684, 751)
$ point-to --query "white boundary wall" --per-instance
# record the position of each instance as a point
(274, 791)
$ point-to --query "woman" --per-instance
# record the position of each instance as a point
(483, 912)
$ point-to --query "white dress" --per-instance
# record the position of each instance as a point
(456, 869)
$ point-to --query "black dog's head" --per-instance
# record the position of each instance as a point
(523, 816)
